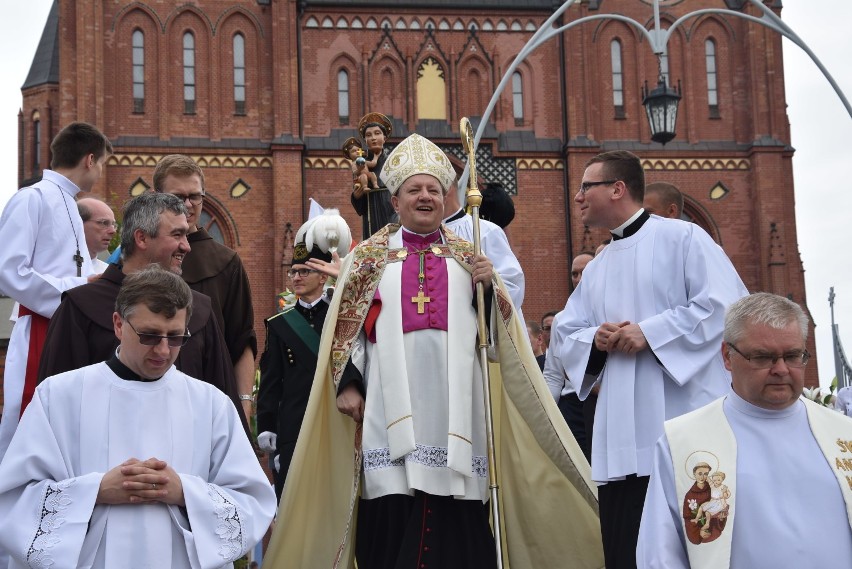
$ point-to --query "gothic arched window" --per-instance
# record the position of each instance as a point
(209, 223)
(138, 43)
(239, 74)
(36, 143)
(617, 79)
(188, 73)
(343, 96)
(518, 98)
(431, 90)
(712, 92)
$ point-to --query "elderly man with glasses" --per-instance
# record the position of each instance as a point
(81, 331)
(99, 226)
(781, 464)
(644, 324)
(129, 462)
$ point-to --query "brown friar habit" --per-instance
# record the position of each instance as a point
(217, 271)
(81, 333)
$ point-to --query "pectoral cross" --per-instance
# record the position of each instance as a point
(420, 300)
(79, 260)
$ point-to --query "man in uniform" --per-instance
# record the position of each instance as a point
(779, 463)
(399, 389)
(99, 226)
(43, 254)
(80, 334)
(289, 362)
(129, 462)
(642, 324)
(214, 270)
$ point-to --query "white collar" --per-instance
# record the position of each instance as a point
(620, 229)
(311, 304)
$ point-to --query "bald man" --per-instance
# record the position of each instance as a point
(99, 227)
(578, 265)
(663, 199)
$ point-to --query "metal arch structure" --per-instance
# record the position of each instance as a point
(658, 39)
(842, 369)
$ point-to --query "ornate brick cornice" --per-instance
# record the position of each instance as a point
(209, 161)
(326, 163)
(696, 164)
(539, 164)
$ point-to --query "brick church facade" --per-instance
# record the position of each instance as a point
(262, 93)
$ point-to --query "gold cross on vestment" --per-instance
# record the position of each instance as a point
(420, 300)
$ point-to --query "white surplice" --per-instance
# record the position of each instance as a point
(36, 266)
(495, 246)
(789, 509)
(676, 283)
(83, 423)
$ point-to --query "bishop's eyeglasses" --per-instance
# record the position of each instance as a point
(795, 359)
(154, 339)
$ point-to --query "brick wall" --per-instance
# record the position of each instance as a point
(291, 96)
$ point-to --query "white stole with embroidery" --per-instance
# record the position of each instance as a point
(692, 444)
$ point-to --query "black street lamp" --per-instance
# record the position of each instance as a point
(661, 108)
(661, 103)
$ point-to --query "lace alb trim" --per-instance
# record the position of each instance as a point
(433, 457)
(56, 501)
(229, 527)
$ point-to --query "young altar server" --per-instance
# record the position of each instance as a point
(644, 324)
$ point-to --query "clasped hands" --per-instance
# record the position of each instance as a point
(137, 482)
(620, 337)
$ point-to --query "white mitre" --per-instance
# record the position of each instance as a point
(417, 155)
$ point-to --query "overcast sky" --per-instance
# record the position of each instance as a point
(821, 131)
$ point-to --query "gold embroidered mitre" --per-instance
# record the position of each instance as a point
(417, 155)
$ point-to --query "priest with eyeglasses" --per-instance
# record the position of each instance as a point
(761, 477)
(644, 324)
(129, 462)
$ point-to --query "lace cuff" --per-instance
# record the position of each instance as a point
(55, 502)
(229, 527)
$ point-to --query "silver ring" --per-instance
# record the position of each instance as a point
(153, 486)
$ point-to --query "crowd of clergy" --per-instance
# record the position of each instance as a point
(406, 414)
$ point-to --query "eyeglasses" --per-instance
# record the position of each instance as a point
(194, 199)
(766, 361)
(105, 223)
(154, 339)
(301, 272)
(586, 186)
